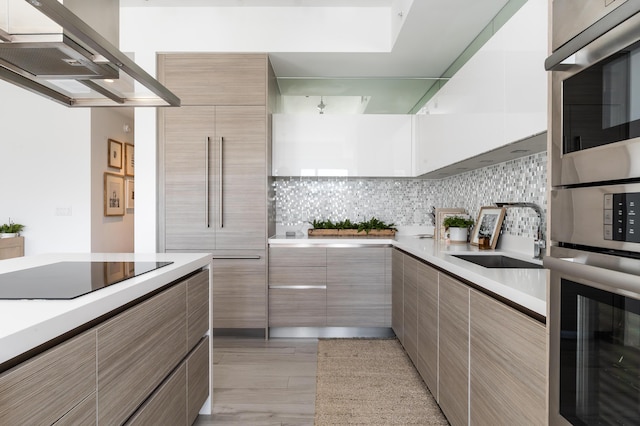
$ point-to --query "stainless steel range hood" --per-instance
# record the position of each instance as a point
(47, 49)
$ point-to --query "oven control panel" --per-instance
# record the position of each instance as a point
(622, 217)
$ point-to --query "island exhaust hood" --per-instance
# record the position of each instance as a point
(47, 49)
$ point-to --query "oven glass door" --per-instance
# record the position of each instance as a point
(601, 104)
(599, 356)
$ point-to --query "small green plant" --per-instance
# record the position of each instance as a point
(365, 226)
(11, 228)
(374, 223)
(457, 222)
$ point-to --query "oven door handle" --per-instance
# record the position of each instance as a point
(606, 278)
(595, 31)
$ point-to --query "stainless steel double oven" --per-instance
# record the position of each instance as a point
(594, 261)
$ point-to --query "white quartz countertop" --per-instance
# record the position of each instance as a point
(25, 324)
(522, 286)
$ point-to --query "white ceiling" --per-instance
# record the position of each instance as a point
(433, 35)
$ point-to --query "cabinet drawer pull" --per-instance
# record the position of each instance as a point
(206, 181)
(235, 257)
(220, 163)
(298, 287)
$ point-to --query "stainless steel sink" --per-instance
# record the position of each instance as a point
(497, 261)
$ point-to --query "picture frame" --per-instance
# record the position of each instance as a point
(441, 214)
(490, 221)
(129, 160)
(114, 158)
(113, 194)
(130, 201)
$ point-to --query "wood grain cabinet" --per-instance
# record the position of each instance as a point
(484, 361)
(30, 393)
(214, 166)
(197, 307)
(410, 296)
(82, 414)
(179, 398)
(167, 405)
(214, 177)
(428, 326)
(11, 247)
(508, 365)
(397, 294)
(335, 287)
(152, 333)
(297, 287)
(197, 379)
(239, 298)
(357, 292)
(142, 366)
(215, 79)
(453, 350)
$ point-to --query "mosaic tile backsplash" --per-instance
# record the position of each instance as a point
(409, 202)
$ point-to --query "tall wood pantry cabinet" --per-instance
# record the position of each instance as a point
(214, 166)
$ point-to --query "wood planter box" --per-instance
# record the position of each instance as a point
(351, 233)
(11, 247)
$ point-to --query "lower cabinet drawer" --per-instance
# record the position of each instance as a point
(168, 404)
(177, 401)
(298, 307)
(197, 379)
(45, 388)
(137, 350)
(82, 414)
(357, 305)
(239, 298)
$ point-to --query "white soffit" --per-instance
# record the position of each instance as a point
(258, 3)
(391, 50)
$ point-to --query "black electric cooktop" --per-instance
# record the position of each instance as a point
(68, 280)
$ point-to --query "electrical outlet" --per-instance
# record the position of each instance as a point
(63, 211)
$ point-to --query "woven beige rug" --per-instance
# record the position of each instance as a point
(371, 382)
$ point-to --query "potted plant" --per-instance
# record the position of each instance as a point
(458, 227)
(10, 230)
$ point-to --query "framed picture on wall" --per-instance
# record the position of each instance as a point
(130, 194)
(488, 224)
(115, 154)
(113, 195)
(128, 159)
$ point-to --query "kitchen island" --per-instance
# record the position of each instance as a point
(134, 351)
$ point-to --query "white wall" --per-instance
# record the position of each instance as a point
(241, 29)
(45, 172)
(54, 157)
(109, 234)
(51, 178)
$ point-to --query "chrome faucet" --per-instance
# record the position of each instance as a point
(539, 244)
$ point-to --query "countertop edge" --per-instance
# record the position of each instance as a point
(438, 254)
(27, 324)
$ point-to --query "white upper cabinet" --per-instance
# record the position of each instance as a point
(375, 145)
(499, 96)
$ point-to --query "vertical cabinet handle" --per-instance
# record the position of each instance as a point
(220, 163)
(206, 181)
